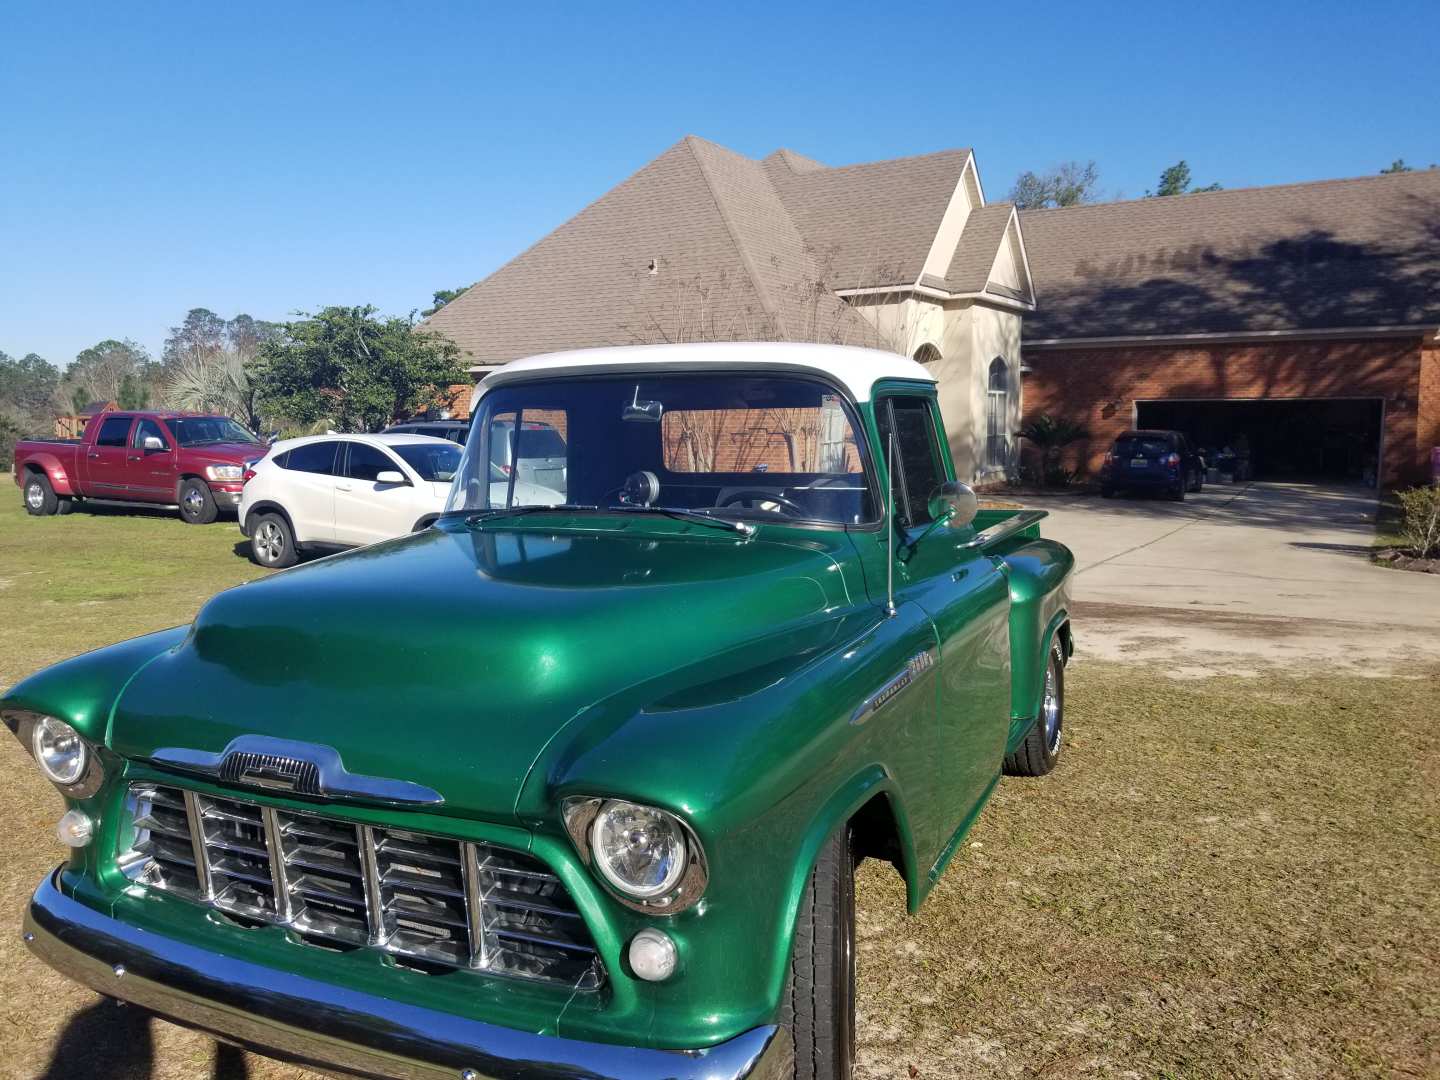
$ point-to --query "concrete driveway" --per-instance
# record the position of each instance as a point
(1241, 578)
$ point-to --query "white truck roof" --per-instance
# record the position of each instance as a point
(856, 369)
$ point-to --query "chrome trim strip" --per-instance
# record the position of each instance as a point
(474, 903)
(920, 662)
(374, 915)
(277, 863)
(328, 1026)
(321, 766)
(195, 818)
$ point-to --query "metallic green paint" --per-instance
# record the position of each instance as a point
(512, 665)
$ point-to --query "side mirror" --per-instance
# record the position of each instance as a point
(154, 442)
(390, 476)
(955, 504)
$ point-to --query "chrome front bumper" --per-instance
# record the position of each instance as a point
(331, 1029)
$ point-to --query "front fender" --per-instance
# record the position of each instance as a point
(83, 690)
(1039, 575)
(758, 751)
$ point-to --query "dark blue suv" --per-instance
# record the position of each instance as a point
(1152, 461)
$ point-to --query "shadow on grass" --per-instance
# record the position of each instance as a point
(114, 1041)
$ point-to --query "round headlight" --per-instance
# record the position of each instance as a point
(640, 850)
(59, 750)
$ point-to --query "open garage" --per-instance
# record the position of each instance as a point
(1302, 321)
(1315, 439)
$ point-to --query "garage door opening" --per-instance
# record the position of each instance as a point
(1319, 439)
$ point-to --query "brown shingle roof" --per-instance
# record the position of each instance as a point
(741, 248)
(1333, 254)
(871, 224)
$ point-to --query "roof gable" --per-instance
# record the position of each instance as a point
(871, 224)
(1337, 254)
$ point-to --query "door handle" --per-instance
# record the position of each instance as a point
(343, 487)
(92, 454)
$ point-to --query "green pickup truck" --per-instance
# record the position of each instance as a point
(570, 790)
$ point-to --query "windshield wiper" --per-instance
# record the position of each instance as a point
(480, 516)
(682, 513)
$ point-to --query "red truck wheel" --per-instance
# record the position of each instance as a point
(40, 497)
(197, 505)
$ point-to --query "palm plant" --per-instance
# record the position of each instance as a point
(1050, 435)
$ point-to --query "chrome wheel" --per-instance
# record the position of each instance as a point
(34, 495)
(269, 542)
(194, 501)
(1050, 708)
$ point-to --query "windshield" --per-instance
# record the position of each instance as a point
(432, 461)
(201, 430)
(758, 447)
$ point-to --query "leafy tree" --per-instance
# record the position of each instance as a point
(207, 364)
(1068, 184)
(358, 372)
(28, 385)
(1176, 181)
(27, 400)
(98, 373)
(1397, 166)
(134, 392)
(443, 297)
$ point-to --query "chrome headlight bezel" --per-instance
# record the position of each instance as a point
(580, 814)
(29, 726)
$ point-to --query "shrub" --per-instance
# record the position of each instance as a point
(1420, 520)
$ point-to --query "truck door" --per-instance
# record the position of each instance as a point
(151, 469)
(966, 596)
(106, 470)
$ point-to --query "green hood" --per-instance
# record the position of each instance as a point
(451, 658)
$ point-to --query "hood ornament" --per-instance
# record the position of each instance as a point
(299, 768)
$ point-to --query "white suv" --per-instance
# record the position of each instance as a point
(334, 491)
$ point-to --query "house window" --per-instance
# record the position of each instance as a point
(997, 416)
(927, 354)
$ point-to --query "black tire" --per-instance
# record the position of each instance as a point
(40, 498)
(1038, 754)
(819, 1002)
(1176, 494)
(1199, 481)
(197, 505)
(272, 543)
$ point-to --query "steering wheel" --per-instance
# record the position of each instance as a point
(755, 495)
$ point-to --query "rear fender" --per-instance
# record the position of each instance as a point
(54, 470)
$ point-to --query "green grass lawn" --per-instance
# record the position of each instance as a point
(1223, 877)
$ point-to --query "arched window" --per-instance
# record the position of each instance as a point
(997, 416)
(927, 354)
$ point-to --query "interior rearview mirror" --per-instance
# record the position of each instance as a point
(954, 503)
(644, 412)
(390, 476)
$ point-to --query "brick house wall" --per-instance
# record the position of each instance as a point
(1098, 387)
(1427, 419)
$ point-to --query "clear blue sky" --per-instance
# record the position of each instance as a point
(269, 158)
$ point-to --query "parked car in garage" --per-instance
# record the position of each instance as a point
(1163, 461)
(194, 462)
(338, 491)
(578, 790)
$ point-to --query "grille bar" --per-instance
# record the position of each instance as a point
(427, 901)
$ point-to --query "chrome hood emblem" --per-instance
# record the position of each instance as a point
(303, 768)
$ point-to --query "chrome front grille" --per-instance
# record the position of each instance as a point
(429, 902)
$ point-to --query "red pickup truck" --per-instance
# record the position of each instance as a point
(172, 459)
